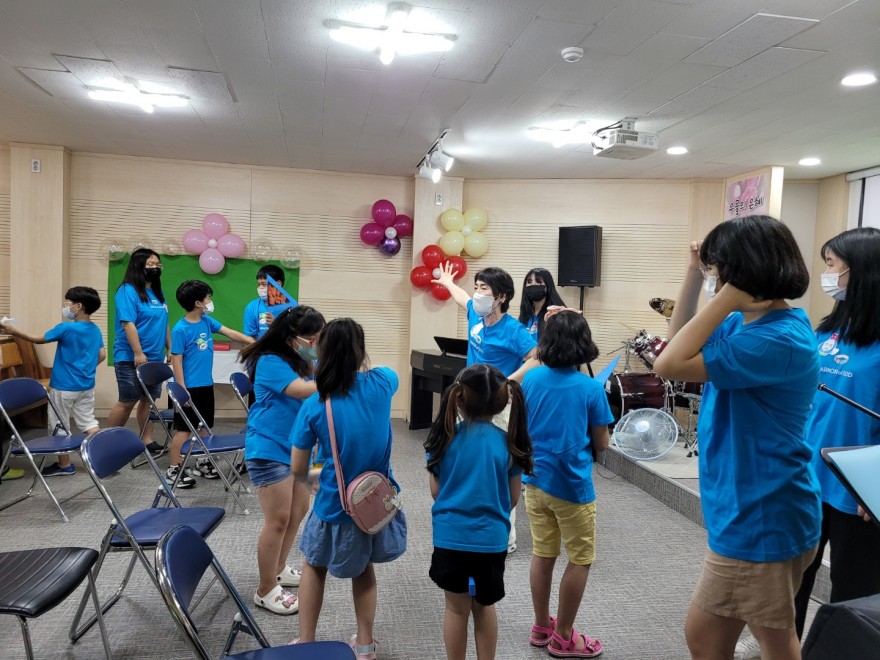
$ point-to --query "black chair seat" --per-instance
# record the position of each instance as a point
(312, 651)
(32, 582)
(149, 525)
(166, 415)
(51, 444)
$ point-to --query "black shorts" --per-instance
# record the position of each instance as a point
(450, 570)
(203, 399)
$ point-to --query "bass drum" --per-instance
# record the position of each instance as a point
(632, 391)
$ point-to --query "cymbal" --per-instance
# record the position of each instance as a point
(662, 306)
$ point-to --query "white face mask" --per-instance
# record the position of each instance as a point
(831, 286)
(709, 286)
(209, 308)
(262, 292)
(67, 314)
(483, 305)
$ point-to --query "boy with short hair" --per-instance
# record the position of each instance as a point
(72, 385)
(257, 317)
(192, 359)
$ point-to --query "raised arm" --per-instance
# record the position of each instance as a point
(459, 295)
(15, 332)
(689, 295)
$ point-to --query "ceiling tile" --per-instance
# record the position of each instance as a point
(185, 50)
(631, 24)
(206, 85)
(90, 72)
(20, 49)
(765, 66)
(577, 11)
(57, 83)
(178, 15)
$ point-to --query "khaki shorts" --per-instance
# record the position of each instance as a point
(759, 593)
(78, 405)
(554, 520)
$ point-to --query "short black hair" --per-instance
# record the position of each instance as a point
(342, 351)
(192, 291)
(86, 296)
(566, 341)
(500, 282)
(757, 254)
(272, 271)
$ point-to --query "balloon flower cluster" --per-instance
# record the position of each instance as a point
(434, 260)
(464, 232)
(387, 228)
(213, 243)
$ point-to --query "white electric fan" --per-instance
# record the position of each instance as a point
(645, 434)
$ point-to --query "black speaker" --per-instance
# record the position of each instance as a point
(580, 256)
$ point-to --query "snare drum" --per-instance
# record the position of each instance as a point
(649, 349)
(631, 391)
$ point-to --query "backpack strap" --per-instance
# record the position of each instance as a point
(337, 467)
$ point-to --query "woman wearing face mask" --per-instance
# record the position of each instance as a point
(759, 493)
(281, 365)
(142, 335)
(539, 293)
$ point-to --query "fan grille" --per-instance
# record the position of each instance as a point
(645, 434)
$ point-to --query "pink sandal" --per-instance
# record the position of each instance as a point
(545, 633)
(568, 647)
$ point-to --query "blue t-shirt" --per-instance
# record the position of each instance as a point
(855, 373)
(759, 491)
(273, 412)
(149, 318)
(562, 404)
(255, 324)
(195, 343)
(503, 345)
(532, 326)
(76, 357)
(362, 419)
(472, 509)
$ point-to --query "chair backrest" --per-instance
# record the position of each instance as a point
(180, 397)
(110, 449)
(241, 383)
(20, 392)
(10, 356)
(154, 373)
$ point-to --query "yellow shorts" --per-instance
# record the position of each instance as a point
(553, 520)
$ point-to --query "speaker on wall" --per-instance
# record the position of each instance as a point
(580, 256)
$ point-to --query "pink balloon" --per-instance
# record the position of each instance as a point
(384, 212)
(195, 241)
(371, 233)
(404, 226)
(212, 261)
(215, 225)
(231, 246)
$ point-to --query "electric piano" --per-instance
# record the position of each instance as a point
(432, 371)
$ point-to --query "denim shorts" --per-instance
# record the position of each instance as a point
(265, 473)
(344, 550)
(130, 389)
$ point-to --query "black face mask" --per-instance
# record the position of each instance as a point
(535, 292)
(153, 274)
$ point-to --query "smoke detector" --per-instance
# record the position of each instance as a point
(572, 54)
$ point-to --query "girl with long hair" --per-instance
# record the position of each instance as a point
(539, 294)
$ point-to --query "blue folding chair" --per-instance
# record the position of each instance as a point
(105, 453)
(149, 375)
(208, 446)
(182, 558)
(17, 393)
(243, 388)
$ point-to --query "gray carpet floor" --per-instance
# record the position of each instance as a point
(636, 599)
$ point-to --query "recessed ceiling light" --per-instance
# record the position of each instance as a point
(809, 161)
(859, 80)
(676, 151)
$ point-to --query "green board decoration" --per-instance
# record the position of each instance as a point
(234, 287)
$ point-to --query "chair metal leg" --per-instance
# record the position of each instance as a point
(38, 474)
(228, 485)
(92, 589)
(25, 633)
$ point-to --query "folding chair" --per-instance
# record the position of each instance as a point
(149, 375)
(243, 387)
(182, 558)
(103, 454)
(208, 446)
(17, 393)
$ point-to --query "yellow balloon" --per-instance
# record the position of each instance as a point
(476, 244)
(476, 218)
(451, 243)
(452, 220)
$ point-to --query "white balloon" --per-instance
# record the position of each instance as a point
(466, 230)
(436, 273)
(212, 243)
(390, 232)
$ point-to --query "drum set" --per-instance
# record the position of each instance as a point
(630, 389)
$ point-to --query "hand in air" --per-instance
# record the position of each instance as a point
(694, 255)
(555, 309)
(864, 515)
(447, 270)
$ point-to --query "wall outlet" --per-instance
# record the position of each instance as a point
(438, 199)
(35, 166)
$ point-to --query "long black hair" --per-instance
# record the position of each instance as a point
(527, 308)
(857, 317)
(342, 353)
(292, 322)
(136, 276)
(481, 390)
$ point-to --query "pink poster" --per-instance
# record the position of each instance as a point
(747, 197)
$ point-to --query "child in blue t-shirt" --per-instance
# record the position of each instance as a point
(80, 350)
(568, 418)
(192, 359)
(257, 317)
(475, 479)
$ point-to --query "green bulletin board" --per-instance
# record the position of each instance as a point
(234, 287)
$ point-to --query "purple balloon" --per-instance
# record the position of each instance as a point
(215, 225)
(371, 233)
(390, 246)
(195, 241)
(231, 245)
(212, 261)
(404, 226)
(384, 212)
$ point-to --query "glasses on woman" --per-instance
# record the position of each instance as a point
(307, 341)
(154, 265)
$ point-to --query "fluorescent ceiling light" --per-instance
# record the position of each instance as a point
(428, 172)
(859, 80)
(810, 161)
(677, 151)
(146, 101)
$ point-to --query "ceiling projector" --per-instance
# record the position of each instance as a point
(623, 142)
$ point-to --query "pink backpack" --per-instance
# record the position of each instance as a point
(370, 499)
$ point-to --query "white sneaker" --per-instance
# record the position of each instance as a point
(747, 649)
(183, 481)
(289, 577)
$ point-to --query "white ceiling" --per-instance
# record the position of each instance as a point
(740, 83)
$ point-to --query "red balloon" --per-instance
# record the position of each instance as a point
(384, 212)
(432, 256)
(460, 267)
(440, 292)
(420, 276)
(404, 226)
(372, 233)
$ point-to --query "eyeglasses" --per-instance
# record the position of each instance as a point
(309, 342)
(159, 266)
